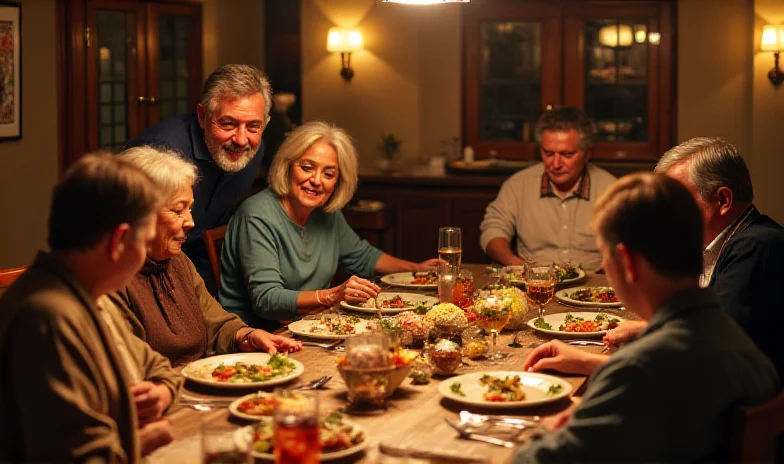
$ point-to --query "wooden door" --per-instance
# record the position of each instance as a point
(418, 219)
(174, 74)
(620, 61)
(115, 66)
(512, 73)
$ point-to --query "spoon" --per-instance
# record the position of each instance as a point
(318, 383)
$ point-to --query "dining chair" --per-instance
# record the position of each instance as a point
(8, 276)
(213, 243)
(757, 431)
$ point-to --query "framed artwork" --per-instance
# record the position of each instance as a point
(10, 71)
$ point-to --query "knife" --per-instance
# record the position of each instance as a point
(401, 452)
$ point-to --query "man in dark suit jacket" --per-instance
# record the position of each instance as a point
(744, 249)
(223, 139)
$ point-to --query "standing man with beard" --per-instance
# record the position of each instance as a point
(222, 139)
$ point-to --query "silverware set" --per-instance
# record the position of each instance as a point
(208, 404)
(334, 346)
(470, 424)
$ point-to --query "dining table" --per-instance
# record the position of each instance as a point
(413, 417)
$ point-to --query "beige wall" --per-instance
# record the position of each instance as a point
(407, 80)
(28, 168)
(233, 32)
(767, 166)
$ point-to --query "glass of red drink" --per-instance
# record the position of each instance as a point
(296, 428)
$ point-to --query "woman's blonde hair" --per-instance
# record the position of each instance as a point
(168, 170)
(298, 142)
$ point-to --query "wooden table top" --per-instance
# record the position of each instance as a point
(414, 416)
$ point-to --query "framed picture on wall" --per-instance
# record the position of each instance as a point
(10, 71)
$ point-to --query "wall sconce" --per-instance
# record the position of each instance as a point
(345, 42)
(423, 2)
(773, 41)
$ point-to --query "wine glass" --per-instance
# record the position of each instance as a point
(450, 245)
(540, 285)
(493, 313)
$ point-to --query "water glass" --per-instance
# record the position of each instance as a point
(447, 277)
(296, 428)
(540, 285)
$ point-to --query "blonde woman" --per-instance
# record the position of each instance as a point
(285, 243)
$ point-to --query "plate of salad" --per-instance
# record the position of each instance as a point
(575, 325)
(243, 370)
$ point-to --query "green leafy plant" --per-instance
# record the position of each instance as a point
(390, 145)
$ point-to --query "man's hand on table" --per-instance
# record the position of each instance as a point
(626, 331)
(155, 435)
(151, 401)
(561, 357)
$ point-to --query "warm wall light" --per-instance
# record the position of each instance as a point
(345, 42)
(614, 36)
(773, 41)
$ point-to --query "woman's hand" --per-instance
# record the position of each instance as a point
(271, 343)
(154, 435)
(561, 357)
(151, 401)
(429, 265)
(625, 332)
(358, 290)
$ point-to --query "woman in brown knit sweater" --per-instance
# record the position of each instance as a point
(167, 303)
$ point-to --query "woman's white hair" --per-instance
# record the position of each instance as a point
(168, 170)
(298, 142)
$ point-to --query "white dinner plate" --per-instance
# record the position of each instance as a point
(404, 279)
(535, 386)
(200, 371)
(556, 320)
(563, 297)
(414, 298)
(248, 431)
(303, 329)
(235, 411)
(580, 276)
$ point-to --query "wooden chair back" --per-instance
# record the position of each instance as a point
(213, 243)
(8, 276)
(756, 432)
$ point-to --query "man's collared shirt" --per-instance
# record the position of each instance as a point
(711, 253)
(547, 228)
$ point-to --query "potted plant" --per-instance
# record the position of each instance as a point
(390, 148)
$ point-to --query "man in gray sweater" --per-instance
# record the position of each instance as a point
(668, 396)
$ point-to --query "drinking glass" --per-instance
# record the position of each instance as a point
(223, 443)
(463, 289)
(540, 285)
(450, 245)
(493, 313)
(296, 428)
(447, 277)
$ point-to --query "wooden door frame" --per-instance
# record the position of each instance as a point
(72, 91)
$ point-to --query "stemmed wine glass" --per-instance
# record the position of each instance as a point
(540, 285)
(450, 245)
(493, 313)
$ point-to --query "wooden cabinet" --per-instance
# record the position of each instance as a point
(614, 59)
(421, 205)
(126, 64)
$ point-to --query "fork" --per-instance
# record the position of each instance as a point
(326, 346)
(483, 438)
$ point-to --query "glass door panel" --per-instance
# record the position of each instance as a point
(116, 77)
(510, 80)
(173, 75)
(616, 79)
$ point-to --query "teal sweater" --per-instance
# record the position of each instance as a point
(268, 259)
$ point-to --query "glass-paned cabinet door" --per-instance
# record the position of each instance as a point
(112, 68)
(175, 60)
(618, 75)
(512, 74)
(510, 80)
